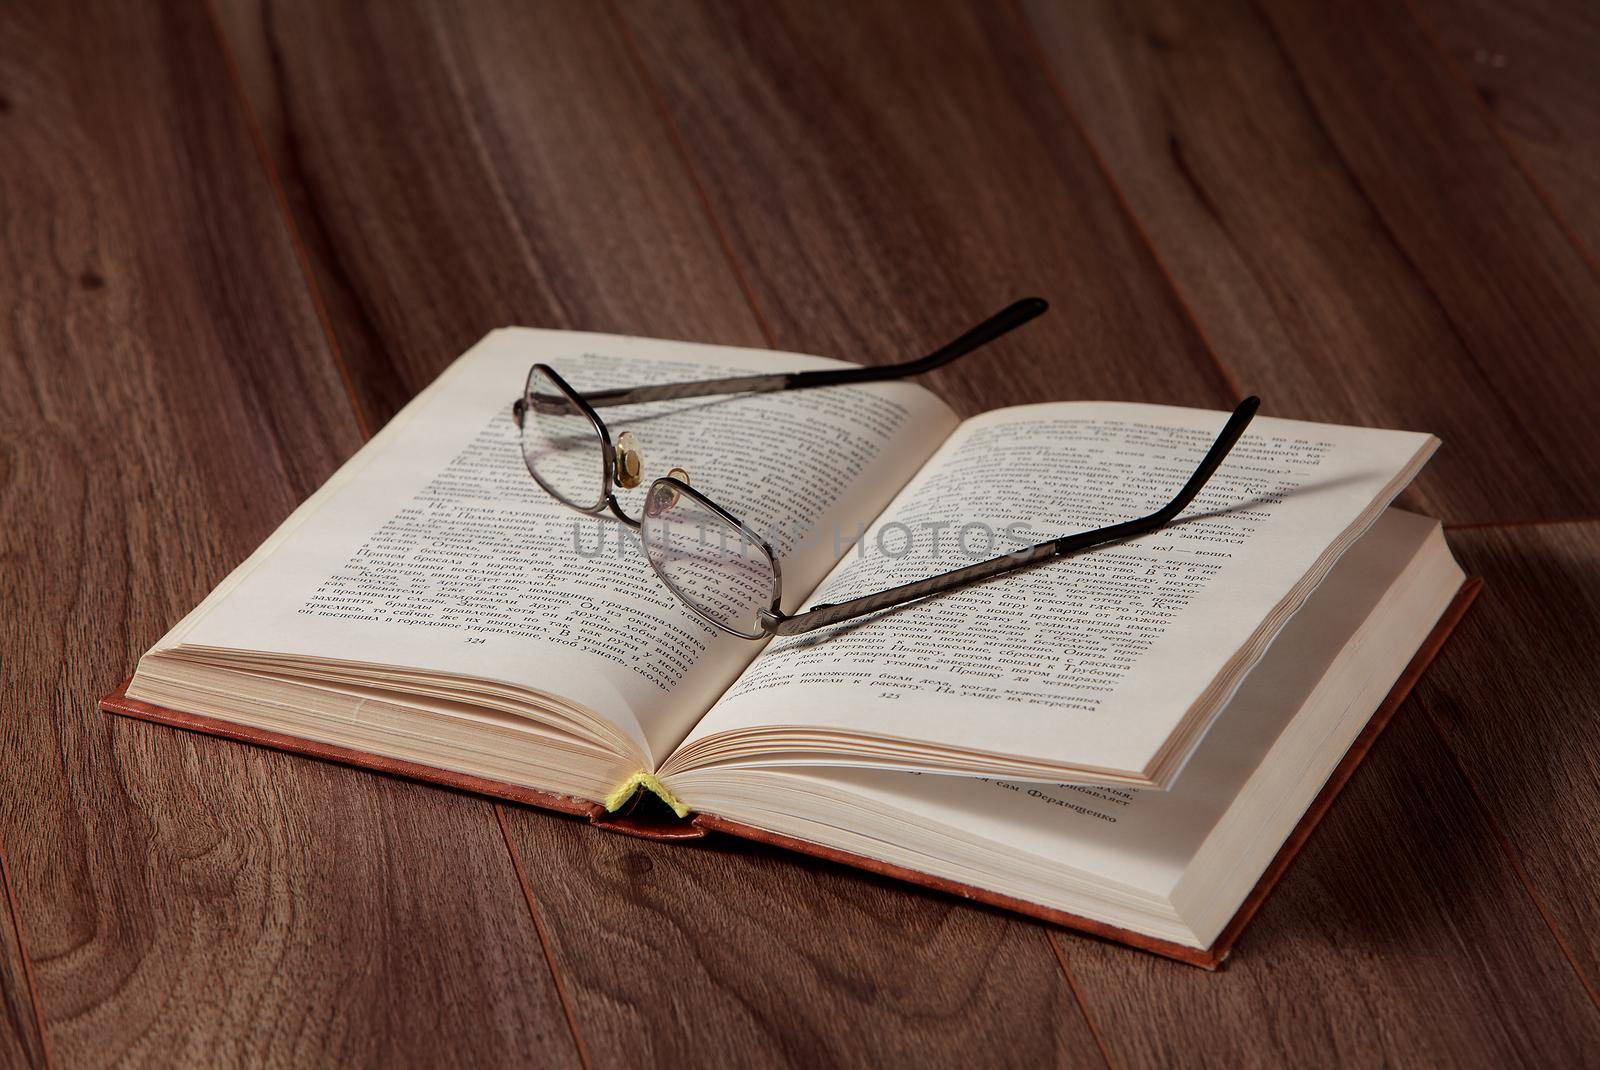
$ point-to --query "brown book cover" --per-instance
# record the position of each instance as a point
(699, 825)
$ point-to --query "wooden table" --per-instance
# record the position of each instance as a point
(237, 236)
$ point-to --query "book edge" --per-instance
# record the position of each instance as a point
(1210, 958)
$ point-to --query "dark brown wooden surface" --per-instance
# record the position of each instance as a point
(1300, 212)
(20, 1035)
(237, 238)
(883, 179)
(1532, 63)
(734, 953)
(453, 174)
(1514, 699)
(169, 395)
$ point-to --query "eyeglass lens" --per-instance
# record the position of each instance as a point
(712, 564)
(560, 445)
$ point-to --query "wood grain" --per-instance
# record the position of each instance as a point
(884, 181)
(1333, 274)
(170, 397)
(1532, 62)
(1303, 201)
(20, 1041)
(574, 163)
(1399, 937)
(1500, 263)
(743, 91)
(1516, 695)
(452, 170)
(808, 964)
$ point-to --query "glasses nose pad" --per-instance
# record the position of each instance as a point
(681, 476)
(665, 496)
(628, 461)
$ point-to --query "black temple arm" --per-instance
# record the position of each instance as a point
(1002, 322)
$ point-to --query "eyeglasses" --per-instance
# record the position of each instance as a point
(714, 562)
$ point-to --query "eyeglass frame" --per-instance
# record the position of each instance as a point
(773, 621)
(1002, 322)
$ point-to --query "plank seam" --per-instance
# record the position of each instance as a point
(296, 241)
(1051, 937)
(1459, 75)
(1511, 855)
(544, 940)
(658, 99)
(1447, 316)
(1042, 60)
(1412, 267)
(302, 256)
(27, 960)
(491, 173)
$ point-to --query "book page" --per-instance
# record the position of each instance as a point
(1093, 661)
(1199, 846)
(434, 549)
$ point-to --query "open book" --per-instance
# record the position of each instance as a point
(1122, 740)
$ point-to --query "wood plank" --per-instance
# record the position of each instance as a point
(1400, 936)
(1532, 63)
(1340, 278)
(886, 180)
(1509, 276)
(20, 1042)
(521, 177)
(170, 398)
(1517, 697)
(574, 154)
(807, 964)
